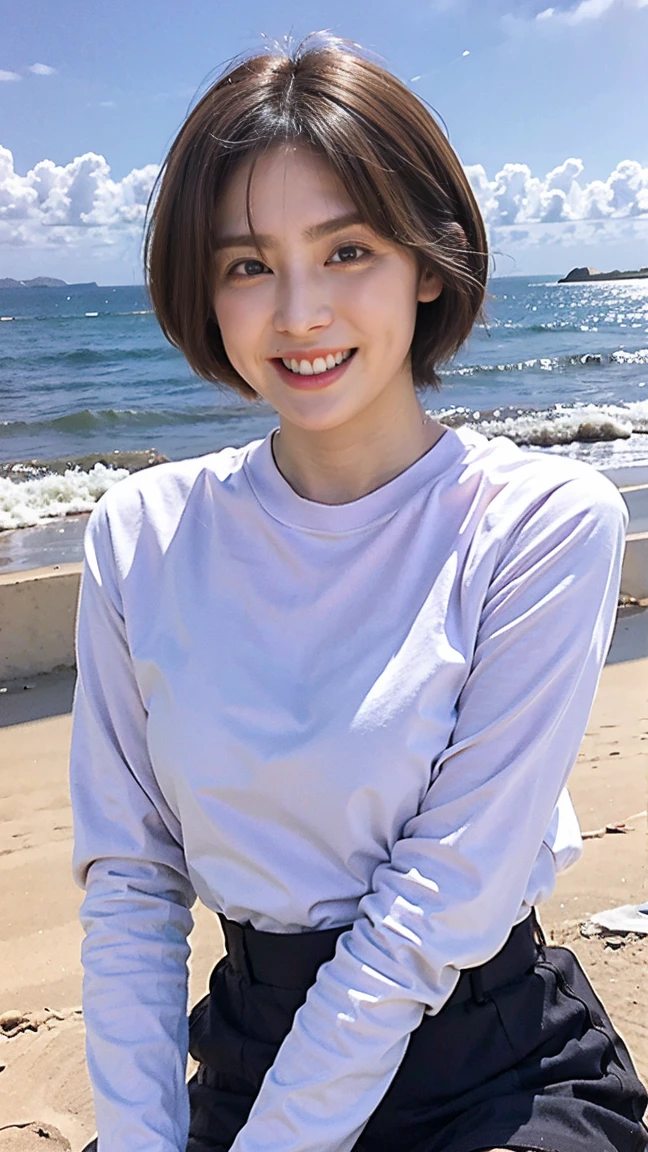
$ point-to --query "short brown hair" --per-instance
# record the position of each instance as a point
(385, 147)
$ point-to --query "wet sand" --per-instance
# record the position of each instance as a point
(59, 541)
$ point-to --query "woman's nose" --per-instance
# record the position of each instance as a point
(302, 304)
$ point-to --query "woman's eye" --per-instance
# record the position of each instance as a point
(349, 254)
(249, 267)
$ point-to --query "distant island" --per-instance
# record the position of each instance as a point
(577, 275)
(43, 282)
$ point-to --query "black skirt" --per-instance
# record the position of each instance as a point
(522, 1055)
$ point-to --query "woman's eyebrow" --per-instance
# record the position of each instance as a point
(247, 240)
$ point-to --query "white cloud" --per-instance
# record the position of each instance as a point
(516, 196)
(589, 10)
(7, 76)
(80, 208)
(516, 205)
(586, 10)
(54, 206)
(41, 70)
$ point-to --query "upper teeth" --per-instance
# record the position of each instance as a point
(319, 364)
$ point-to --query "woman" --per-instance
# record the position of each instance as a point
(333, 682)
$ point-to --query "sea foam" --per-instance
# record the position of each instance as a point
(35, 499)
(28, 502)
(562, 424)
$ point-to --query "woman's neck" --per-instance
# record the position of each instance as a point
(339, 465)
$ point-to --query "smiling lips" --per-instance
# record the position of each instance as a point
(313, 369)
(316, 363)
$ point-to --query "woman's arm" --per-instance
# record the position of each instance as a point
(456, 879)
(129, 858)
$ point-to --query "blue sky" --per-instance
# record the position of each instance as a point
(545, 105)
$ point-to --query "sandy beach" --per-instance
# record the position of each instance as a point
(45, 1098)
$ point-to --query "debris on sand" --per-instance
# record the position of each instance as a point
(626, 918)
(31, 1137)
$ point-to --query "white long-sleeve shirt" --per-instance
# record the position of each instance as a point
(313, 715)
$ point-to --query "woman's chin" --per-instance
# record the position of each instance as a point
(325, 419)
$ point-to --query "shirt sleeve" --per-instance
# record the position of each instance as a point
(453, 886)
(129, 858)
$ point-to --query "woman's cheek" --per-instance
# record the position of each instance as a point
(233, 317)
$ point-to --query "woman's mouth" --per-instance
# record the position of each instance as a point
(315, 371)
(319, 364)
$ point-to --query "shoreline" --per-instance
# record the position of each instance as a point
(33, 558)
(56, 539)
(41, 565)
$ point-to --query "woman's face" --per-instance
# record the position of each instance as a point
(319, 323)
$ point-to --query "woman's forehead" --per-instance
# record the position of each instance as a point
(288, 187)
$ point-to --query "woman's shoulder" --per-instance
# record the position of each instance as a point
(534, 495)
(522, 473)
(173, 480)
(151, 502)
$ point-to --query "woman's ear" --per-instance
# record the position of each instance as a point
(430, 286)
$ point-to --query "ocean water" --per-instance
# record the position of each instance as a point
(88, 384)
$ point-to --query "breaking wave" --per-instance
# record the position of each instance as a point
(552, 363)
(561, 424)
(29, 502)
(35, 491)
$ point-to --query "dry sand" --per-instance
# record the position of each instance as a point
(45, 1099)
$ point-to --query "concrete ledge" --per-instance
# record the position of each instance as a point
(636, 501)
(634, 577)
(38, 611)
(37, 618)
